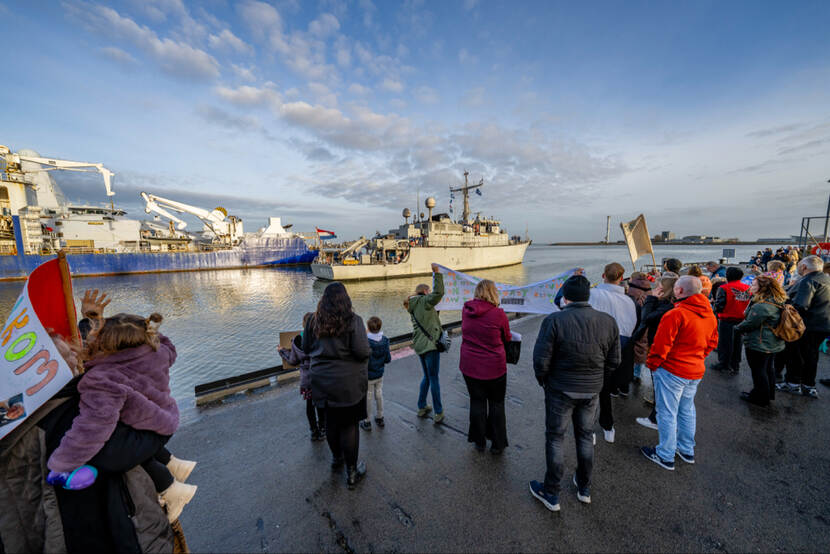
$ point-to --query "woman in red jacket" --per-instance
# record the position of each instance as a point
(485, 331)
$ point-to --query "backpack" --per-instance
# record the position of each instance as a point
(791, 326)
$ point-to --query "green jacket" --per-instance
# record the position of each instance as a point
(422, 308)
(761, 318)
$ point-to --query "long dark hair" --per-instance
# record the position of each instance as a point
(334, 312)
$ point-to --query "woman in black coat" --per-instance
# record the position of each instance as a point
(335, 340)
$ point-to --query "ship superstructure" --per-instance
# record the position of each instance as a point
(36, 222)
(466, 244)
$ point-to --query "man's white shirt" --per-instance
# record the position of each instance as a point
(612, 300)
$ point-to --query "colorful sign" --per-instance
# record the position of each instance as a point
(822, 250)
(32, 368)
(536, 298)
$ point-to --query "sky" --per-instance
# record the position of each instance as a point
(708, 117)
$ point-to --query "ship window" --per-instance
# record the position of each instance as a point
(4, 194)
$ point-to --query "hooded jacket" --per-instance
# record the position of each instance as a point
(421, 307)
(484, 332)
(756, 328)
(576, 349)
(296, 357)
(379, 357)
(338, 365)
(685, 336)
(131, 386)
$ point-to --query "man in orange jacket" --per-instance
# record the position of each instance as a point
(686, 335)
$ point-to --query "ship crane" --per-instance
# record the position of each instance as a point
(229, 231)
(16, 172)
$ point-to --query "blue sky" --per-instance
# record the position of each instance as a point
(709, 117)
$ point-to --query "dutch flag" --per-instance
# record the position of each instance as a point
(322, 234)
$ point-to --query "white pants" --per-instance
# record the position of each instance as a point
(376, 390)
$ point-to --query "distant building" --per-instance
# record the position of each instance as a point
(665, 236)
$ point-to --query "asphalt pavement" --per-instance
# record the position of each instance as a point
(760, 482)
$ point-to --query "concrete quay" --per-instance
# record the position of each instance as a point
(761, 480)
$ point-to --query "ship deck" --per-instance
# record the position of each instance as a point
(760, 482)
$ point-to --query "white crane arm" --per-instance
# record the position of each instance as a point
(216, 216)
(68, 166)
(152, 207)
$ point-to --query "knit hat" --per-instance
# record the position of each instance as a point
(577, 289)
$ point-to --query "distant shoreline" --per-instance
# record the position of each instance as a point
(709, 244)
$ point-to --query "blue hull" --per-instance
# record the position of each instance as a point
(253, 253)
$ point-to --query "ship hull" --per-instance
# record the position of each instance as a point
(420, 260)
(258, 253)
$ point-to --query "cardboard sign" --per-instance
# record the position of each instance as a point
(286, 337)
(32, 368)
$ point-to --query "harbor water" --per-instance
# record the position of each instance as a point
(227, 322)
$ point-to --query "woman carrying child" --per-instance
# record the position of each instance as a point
(127, 381)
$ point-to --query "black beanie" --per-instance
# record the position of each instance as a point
(577, 289)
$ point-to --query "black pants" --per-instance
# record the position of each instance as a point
(156, 468)
(612, 383)
(804, 365)
(783, 359)
(729, 345)
(763, 376)
(487, 419)
(316, 417)
(559, 408)
(342, 431)
(624, 374)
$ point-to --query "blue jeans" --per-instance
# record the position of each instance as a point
(560, 410)
(429, 363)
(638, 369)
(674, 398)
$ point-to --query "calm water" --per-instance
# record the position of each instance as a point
(225, 323)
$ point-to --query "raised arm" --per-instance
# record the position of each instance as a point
(437, 293)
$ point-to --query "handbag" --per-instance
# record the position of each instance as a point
(442, 343)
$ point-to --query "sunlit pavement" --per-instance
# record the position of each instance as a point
(761, 481)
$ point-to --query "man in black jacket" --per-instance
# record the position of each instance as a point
(812, 300)
(577, 348)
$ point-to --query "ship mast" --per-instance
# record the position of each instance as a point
(465, 190)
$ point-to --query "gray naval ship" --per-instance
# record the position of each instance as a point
(464, 245)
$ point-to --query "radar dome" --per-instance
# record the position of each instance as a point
(430, 203)
(406, 212)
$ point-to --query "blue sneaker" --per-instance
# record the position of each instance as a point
(551, 501)
(688, 458)
(651, 453)
(583, 494)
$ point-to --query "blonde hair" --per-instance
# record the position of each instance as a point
(695, 271)
(776, 265)
(667, 288)
(486, 290)
(123, 331)
(769, 289)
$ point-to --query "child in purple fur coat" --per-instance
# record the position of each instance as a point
(127, 380)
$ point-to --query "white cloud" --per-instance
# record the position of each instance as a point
(119, 56)
(324, 25)
(342, 52)
(323, 94)
(226, 40)
(174, 57)
(397, 103)
(263, 19)
(426, 95)
(245, 95)
(369, 10)
(359, 90)
(392, 85)
(244, 73)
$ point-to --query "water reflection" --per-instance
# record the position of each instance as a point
(225, 323)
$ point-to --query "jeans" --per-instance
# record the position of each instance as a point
(729, 345)
(429, 363)
(487, 419)
(638, 369)
(560, 407)
(375, 391)
(674, 398)
(763, 376)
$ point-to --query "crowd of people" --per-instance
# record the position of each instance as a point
(119, 413)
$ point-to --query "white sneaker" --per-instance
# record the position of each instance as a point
(181, 469)
(609, 435)
(646, 422)
(175, 498)
(594, 438)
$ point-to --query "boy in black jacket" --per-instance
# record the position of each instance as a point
(379, 357)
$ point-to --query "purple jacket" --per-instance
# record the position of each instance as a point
(131, 386)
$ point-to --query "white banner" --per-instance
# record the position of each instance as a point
(32, 368)
(536, 298)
